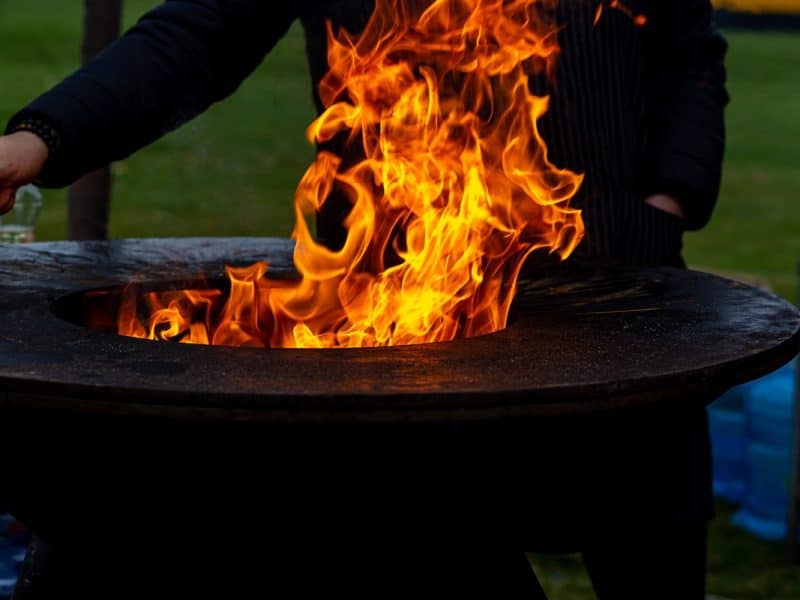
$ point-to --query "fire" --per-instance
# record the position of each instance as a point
(451, 190)
(638, 19)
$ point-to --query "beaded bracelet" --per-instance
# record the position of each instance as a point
(43, 131)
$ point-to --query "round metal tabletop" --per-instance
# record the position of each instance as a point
(583, 338)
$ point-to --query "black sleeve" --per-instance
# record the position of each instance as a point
(687, 139)
(180, 58)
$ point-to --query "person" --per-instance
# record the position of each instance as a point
(636, 105)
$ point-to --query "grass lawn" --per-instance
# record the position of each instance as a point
(233, 172)
(739, 567)
(756, 225)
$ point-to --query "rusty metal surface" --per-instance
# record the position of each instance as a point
(584, 339)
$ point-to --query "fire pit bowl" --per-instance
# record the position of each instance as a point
(113, 437)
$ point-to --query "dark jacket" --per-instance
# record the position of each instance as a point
(638, 109)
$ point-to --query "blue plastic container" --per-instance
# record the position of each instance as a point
(726, 421)
(769, 410)
(8, 580)
(767, 500)
(769, 406)
(13, 541)
(8, 572)
(18, 559)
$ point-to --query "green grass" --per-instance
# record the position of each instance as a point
(739, 567)
(230, 172)
(233, 172)
(756, 225)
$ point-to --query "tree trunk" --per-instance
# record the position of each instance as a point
(90, 196)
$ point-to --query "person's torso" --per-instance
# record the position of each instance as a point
(597, 124)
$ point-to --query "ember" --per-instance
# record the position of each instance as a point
(453, 191)
(640, 20)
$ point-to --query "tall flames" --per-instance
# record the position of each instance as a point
(451, 189)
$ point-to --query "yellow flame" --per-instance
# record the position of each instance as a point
(448, 177)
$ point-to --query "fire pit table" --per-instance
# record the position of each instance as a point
(114, 442)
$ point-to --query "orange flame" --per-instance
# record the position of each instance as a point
(452, 191)
(639, 20)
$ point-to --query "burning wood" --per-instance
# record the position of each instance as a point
(451, 189)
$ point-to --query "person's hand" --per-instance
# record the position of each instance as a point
(22, 157)
(667, 204)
